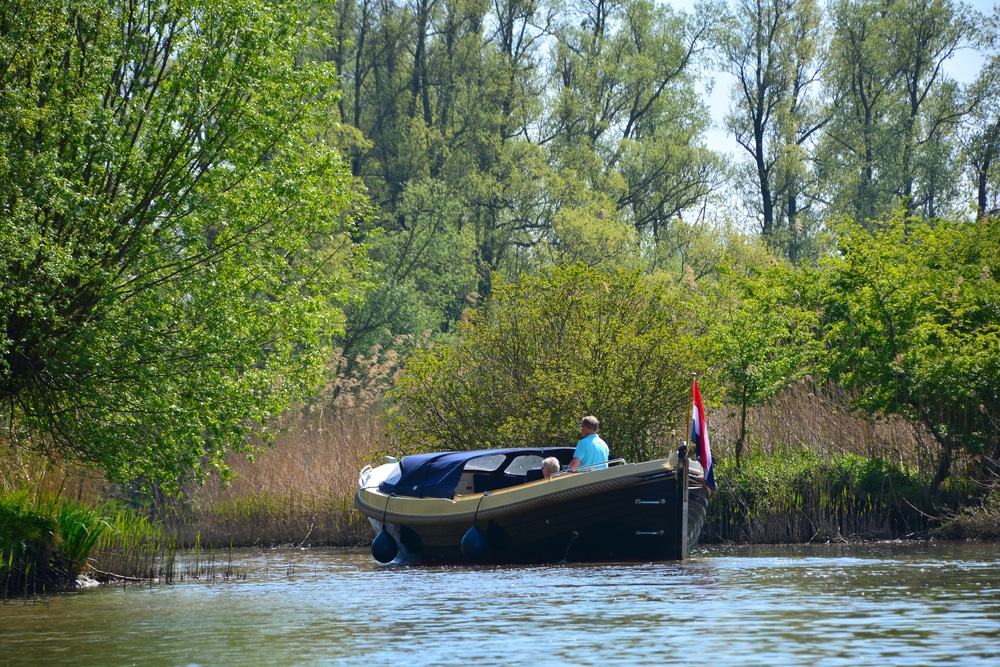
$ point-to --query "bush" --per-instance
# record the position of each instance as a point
(27, 545)
(548, 350)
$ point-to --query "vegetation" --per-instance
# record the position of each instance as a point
(165, 205)
(44, 545)
(556, 346)
(228, 225)
(910, 322)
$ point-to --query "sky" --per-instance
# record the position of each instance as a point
(963, 67)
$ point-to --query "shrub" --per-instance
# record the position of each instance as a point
(548, 350)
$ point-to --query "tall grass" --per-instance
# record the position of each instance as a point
(79, 529)
(133, 547)
(298, 492)
(792, 495)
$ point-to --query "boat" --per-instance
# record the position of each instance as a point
(494, 506)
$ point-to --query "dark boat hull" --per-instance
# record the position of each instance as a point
(643, 520)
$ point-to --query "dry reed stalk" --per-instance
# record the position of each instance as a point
(819, 418)
(300, 491)
(22, 469)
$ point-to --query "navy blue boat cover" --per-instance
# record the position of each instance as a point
(436, 475)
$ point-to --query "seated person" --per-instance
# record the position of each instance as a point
(591, 449)
(550, 466)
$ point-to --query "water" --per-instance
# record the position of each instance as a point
(924, 604)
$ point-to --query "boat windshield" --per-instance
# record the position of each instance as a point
(487, 463)
(522, 464)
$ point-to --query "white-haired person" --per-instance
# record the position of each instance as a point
(550, 466)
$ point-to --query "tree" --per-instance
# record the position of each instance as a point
(772, 51)
(626, 120)
(552, 347)
(764, 337)
(172, 239)
(910, 322)
(894, 111)
(980, 134)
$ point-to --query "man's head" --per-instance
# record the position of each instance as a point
(589, 424)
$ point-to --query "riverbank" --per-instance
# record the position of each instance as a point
(824, 477)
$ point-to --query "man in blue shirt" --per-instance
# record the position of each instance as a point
(590, 449)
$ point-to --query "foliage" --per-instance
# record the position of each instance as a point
(27, 543)
(45, 543)
(911, 322)
(980, 135)
(891, 131)
(549, 349)
(772, 50)
(763, 334)
(421, 276)
(79, 529)
(793, 495)
(172, 247)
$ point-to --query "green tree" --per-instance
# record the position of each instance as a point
(772, 50)
(764, 337)
(626, 120)
(545, 351)
(910, 322)
(172, 238)
(445, 93)
(419, 278)
(980, 135)
(894, 111)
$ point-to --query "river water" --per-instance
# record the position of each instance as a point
(887, 604)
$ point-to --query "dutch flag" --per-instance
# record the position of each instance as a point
(699, 437)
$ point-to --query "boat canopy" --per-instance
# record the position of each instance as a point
(436, 475)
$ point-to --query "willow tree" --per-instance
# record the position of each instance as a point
(172, 239)
(980, 134)
(894, 110)
(772, 50)
(625, 119)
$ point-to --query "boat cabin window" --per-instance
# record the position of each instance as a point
(522, 464)
(486, 463)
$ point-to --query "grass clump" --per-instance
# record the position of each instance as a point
(44, 544)
(27, 545)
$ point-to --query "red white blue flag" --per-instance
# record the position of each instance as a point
(699, 436)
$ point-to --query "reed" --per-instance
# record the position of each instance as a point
(133, 547)
(794, 495)
(298, 492)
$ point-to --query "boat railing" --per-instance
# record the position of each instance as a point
(592, 466)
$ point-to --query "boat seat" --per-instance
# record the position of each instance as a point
(486, 481)
(533, 475)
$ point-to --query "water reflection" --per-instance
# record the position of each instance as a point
(821, 605)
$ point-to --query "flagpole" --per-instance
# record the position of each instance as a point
(682, 483)
(694, 378)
